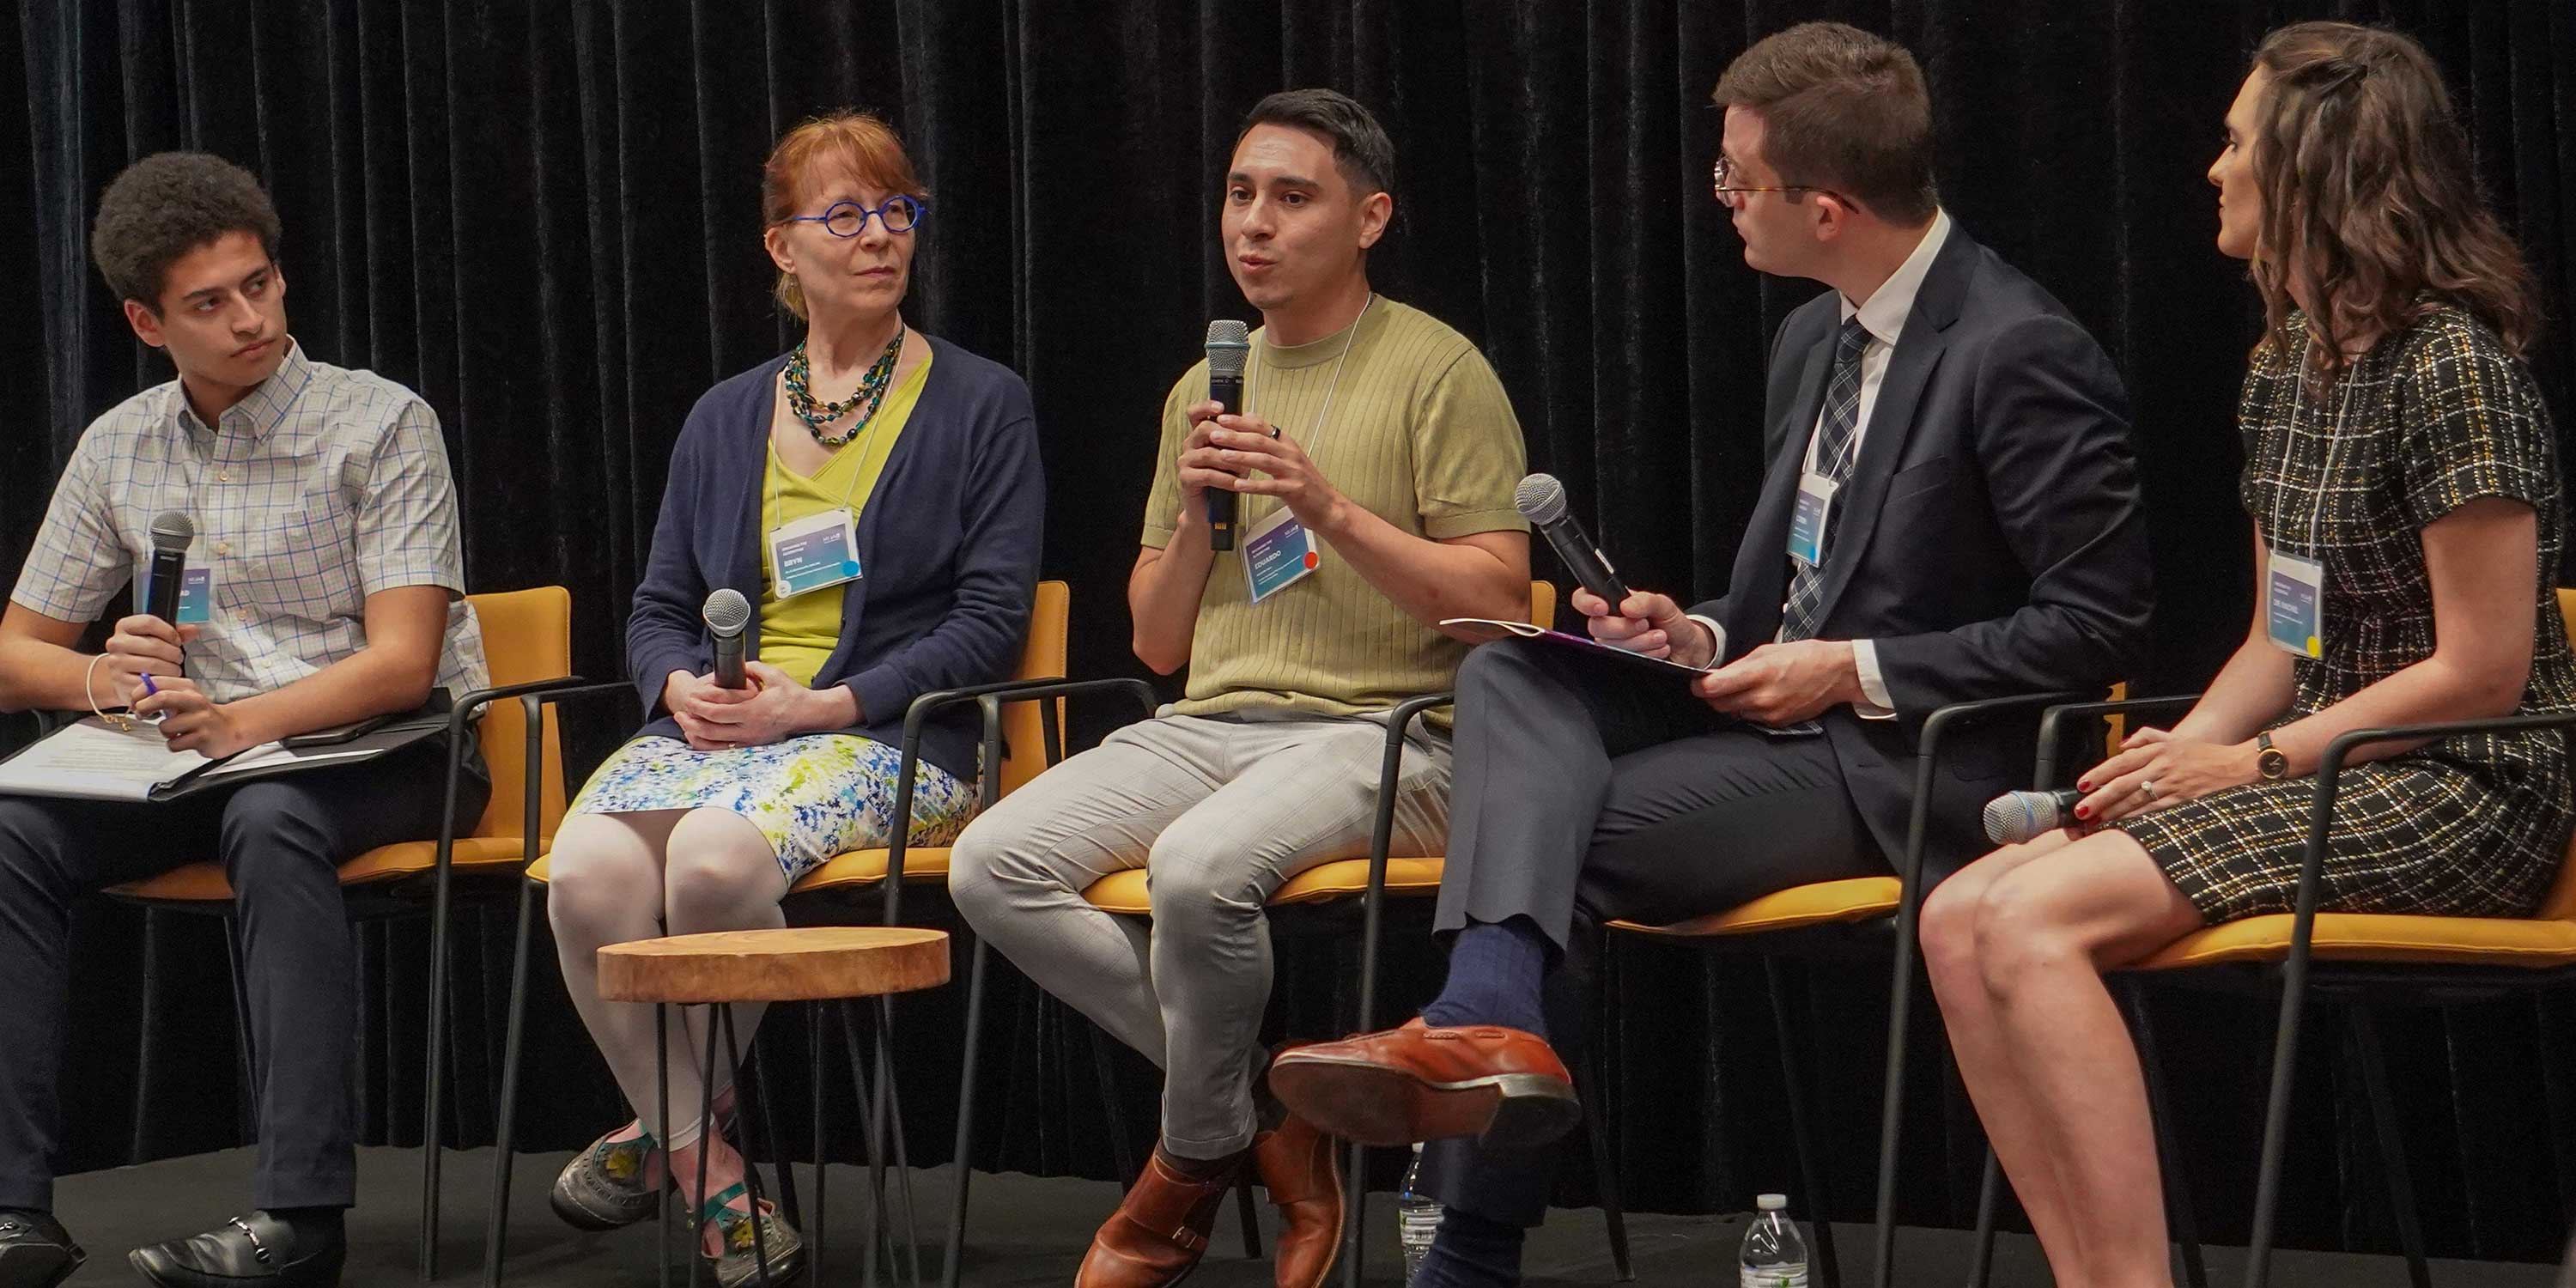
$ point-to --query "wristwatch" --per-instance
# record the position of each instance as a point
(2270, 761)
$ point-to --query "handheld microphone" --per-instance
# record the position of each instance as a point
(1541, 500)
(2015, 817)
(726, 614)
(1229, 344)
(172, 534)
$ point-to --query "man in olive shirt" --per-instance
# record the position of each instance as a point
(1374, 465)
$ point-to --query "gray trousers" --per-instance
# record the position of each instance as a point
(1219, 811)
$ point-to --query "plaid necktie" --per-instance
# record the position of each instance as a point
(1835, 443)
(1836, 447)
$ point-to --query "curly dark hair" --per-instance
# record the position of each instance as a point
(2367, 187)
(166, 205)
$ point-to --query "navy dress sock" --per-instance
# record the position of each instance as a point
(1496, 973)
(1472, 1251)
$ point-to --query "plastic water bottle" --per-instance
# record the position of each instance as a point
(1417, 1218)
(1774, 1256)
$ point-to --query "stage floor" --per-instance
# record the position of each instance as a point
(1026, 1231)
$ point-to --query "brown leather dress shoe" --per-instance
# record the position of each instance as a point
(1155, 1237)
(1419, 1083)
(1295, 1163)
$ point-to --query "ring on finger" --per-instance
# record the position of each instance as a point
(2147, 788)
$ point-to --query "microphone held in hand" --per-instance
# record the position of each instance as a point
(172, 534)
(726, 614)
(2015, 817)
(1541, 500)
(1229, 344)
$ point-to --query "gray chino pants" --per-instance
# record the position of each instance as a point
(1219, 811)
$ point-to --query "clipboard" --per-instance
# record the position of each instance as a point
(91, 759)
(1491, 629)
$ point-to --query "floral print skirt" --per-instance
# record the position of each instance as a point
(814, 796)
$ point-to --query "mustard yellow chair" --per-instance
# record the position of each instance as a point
(1021, 728)
(527, 638)
(1859, 916)
(2360, 959)
(1370, 880)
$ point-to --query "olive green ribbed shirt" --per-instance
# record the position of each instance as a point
(1419, 432)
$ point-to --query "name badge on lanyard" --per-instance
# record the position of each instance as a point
(1807, 521)
(2294, 610)
(1278, 554)
(814, 552)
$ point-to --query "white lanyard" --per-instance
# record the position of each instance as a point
(2334, 439)
(1324, 418)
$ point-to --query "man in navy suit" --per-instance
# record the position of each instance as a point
(1950, 513)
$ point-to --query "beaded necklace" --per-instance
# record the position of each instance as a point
(871, 392)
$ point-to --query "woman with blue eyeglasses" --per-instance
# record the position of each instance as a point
(873, 497)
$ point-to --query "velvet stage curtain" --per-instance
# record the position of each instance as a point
(545, 218)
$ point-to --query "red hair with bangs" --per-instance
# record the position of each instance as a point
(855, 144)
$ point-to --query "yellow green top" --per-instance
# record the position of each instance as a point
(798, 635)
(1421, 433)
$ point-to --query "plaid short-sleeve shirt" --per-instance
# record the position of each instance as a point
(320, 488)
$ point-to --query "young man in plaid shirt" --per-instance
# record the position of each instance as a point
(326, 528)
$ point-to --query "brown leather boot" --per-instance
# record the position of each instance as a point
(1155, 1237)
(1295, 1163)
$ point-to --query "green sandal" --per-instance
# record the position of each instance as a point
(603, 1187)
(739, 1263)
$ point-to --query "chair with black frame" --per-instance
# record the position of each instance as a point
(1861, 917)
(527, 638)
(1328, 889)
(1010, 736)
(2362, 960)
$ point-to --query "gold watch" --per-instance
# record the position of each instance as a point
(2270, 761)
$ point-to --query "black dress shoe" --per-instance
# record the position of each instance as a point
(246, 1250)
(35, 1251)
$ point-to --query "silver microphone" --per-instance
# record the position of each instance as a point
(726, 614)
(1541, 500)
(172, 534)
(2015, 817)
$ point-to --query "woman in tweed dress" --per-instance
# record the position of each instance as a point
(2401, 475)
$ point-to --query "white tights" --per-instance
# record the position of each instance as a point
(616, 878)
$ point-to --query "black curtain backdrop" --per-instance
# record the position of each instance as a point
(545, 218)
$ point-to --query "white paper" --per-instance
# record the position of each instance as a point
(93, 760)
(271, 756)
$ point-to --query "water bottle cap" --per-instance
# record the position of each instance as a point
(1772, 1202)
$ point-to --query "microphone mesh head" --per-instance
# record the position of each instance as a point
(2015, 817)
(172, 530)
(1540, 499)
(1229, 343)
(727, 612)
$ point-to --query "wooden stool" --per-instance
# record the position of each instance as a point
(799, 964)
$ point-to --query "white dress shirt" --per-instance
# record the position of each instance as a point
(1883, 315)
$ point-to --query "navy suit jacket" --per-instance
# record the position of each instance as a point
(948, 547)
(1989, 539)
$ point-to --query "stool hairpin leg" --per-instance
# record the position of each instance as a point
(723, 1015)
(706, 1127)
(662, 1095)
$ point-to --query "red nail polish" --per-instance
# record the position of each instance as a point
(2083, 811)
(2083, 786)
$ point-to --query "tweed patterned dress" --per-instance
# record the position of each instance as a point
(2438, 416)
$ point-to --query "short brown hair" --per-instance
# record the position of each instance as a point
(1841, 109)
(858, 144)
(2366, 183)
(166, 205)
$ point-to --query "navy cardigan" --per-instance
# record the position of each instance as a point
(948, 545)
